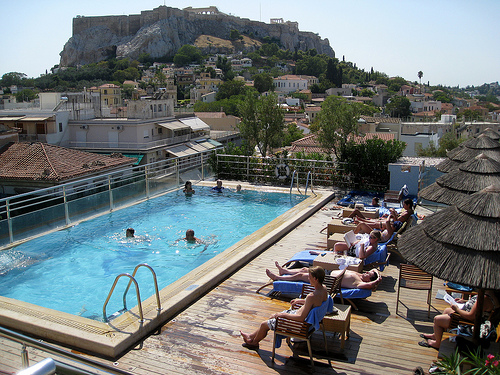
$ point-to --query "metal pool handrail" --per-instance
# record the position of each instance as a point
(136, 290)
(158, 304)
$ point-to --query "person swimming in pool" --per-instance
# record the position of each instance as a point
(188, 188)
(130, 232)
(219, 187)
(191, 238)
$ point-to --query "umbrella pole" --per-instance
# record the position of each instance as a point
(479, 315)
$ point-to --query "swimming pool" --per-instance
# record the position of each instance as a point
(85, 259)
(120, 334)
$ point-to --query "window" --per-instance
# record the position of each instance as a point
(60, 127)
(160, 130)
(105, 92)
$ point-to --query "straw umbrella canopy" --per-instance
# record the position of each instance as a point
(460, 244)
(491, 133)
(468, 150)
(470, 177)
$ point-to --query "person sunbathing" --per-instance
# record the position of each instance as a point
(385, 233)
(351, 279)
(465, 308)
(315, 276)
(399, 220)
(361, 248)
(359, 214)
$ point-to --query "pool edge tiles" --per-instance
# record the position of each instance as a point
(112, 339)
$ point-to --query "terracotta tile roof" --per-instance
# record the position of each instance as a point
(41, 161)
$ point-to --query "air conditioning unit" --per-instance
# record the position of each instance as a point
(85, 127)
(119, 127)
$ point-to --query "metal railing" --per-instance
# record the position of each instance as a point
(271, 170)
(34, 213)
(53, 350)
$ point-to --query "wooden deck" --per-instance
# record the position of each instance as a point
(205, 338)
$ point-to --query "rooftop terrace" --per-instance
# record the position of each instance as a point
(204, 338)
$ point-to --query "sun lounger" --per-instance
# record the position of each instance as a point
(292, 289)
(378, 259)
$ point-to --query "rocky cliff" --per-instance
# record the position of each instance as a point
(163, 30)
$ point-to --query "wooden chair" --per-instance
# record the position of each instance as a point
(302, 330)
(412, 277)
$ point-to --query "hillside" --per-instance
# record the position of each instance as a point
(163, 30)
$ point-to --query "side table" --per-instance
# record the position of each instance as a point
(340, 322)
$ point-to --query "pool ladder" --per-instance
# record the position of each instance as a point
(309, 177)
(133, 280)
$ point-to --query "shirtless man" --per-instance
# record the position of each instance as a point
(351, 279)
(315, 276)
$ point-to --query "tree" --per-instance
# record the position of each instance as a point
(337, 120)
(263, 82)
(367, 162)
(293, 133)
(12, 78)
(229, 89)
(187, 54)
(399, 106)
(226, 67)
(25, 95)
(420, 75)
(261, 121)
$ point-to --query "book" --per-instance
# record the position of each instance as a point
(350, 238)
(452, 301)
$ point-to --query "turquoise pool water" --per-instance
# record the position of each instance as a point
(72, 270)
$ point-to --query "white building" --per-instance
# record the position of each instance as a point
(290, 83)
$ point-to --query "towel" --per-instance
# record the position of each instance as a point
(317, 314)
(380, 255)
(302, 256)
(288, 287)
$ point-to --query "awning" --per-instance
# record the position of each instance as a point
(11, 118)
(34, 119)
(207, 145)
(180, 150)
(215, 143)
(173, 125)
(196, 146)
(135, 156)
(195, 123)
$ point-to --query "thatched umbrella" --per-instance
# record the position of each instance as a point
(468, 178)
(460, 244)
(491, 133)
(482, 144)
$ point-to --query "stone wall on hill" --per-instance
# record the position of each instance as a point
(163, 30)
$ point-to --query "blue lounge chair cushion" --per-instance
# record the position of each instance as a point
(356, 293)
(380, 255)
(295, 288)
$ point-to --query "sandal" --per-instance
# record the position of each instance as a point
(423, 336)
(425, 344)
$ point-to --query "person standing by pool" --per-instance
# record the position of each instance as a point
(188, 188)
(219, 187)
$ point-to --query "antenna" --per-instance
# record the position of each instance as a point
(260, 12)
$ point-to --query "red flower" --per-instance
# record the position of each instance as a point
(490, 356)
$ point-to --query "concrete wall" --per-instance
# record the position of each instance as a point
(404, 174)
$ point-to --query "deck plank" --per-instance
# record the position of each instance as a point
(204, 338)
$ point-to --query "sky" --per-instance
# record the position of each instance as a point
(453, 42)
